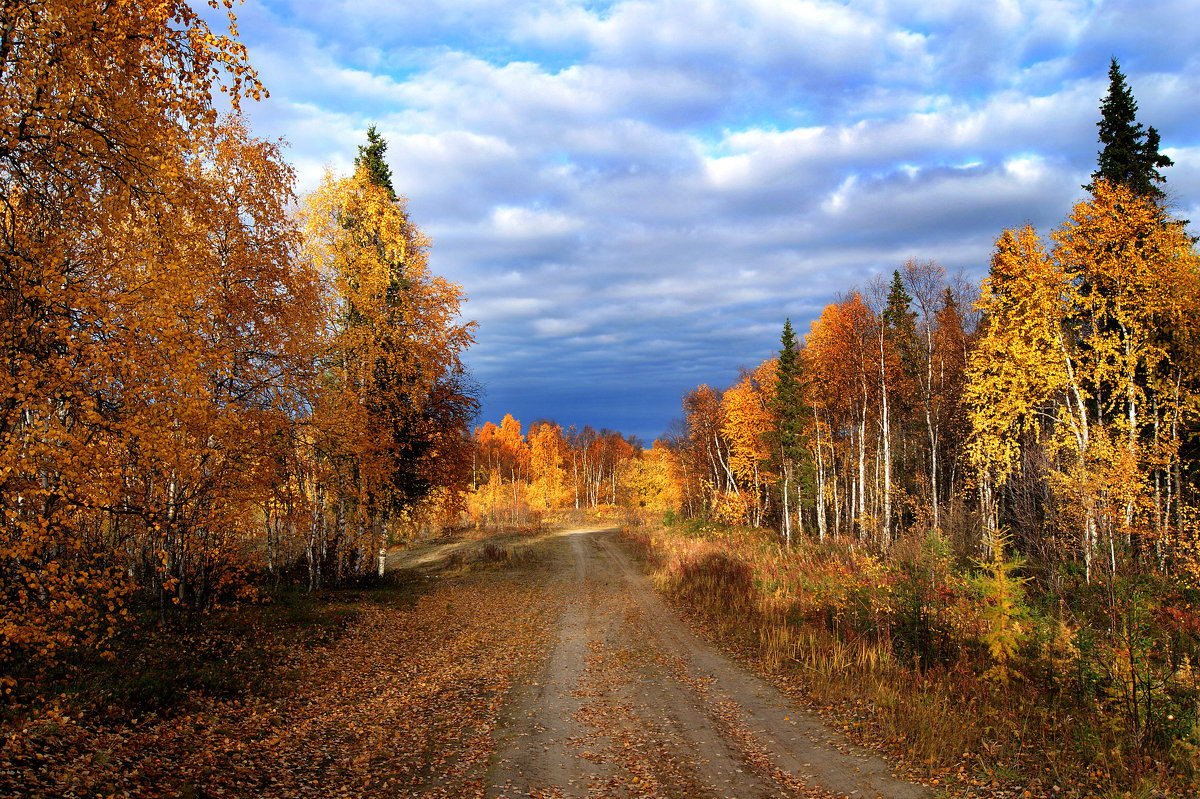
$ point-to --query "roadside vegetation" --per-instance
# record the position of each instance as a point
(966, 517)
(207, 386)
(962, 671)
(388, 688)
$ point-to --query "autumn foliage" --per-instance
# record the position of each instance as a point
(193, 375)
(522, 479)
(1003, 482)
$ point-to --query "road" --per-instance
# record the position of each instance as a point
(631, 703)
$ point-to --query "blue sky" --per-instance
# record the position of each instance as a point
(636, 194)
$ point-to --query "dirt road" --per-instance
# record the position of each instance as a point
(632, 704)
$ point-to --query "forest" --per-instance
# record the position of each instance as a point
(208, 384)
(965, 517)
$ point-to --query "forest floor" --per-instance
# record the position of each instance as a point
(540, 665)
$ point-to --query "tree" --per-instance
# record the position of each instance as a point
(1141, 270)
(948, 375)
(927, 281)
(397, 396)
(1023, 377)
(652, 479)
(370, 161)
(150, 315)
(546, 455)
(747, 419)
(1129, 155)
(791, 420)
(900, 320)
(1073, 359)
(845, 363)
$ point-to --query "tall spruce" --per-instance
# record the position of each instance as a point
(1129, 155)
(788, 406)
(404, 423)
(901, 322)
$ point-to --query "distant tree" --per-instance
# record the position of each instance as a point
(1129, 155)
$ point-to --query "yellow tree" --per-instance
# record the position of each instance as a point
(1079, 351)
(547, 450)
(396, 382)
(746, 422)
(1137, 272)
(1024, 374)
(652, 479)
(118, 389)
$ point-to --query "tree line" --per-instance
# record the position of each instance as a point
(987, 495)
(1055, 406)
(206, 381)
(518, 478)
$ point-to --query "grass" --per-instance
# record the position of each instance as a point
(895, 648)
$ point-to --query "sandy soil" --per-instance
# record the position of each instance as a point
(631, 704)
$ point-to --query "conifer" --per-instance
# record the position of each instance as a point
(1129, 154)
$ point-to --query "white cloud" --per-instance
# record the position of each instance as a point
(651, 186)
(526, 223)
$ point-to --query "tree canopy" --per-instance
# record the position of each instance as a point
(1129, 153)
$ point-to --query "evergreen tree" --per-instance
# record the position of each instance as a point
(408, 415)
(900, 320)
(1129, 154)
(788, 406)
(789, 393)
(370, 159)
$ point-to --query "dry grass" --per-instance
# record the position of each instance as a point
(892, 649)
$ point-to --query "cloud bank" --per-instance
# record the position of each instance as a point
(636, 194)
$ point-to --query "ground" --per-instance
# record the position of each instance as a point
(540, 666)
(631, 703)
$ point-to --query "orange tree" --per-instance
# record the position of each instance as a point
(152, 319)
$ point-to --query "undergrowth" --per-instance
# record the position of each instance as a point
(247, 650)
(969, 672)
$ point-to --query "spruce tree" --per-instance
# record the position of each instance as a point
(370, 159)
(1129, 155)
(900, 320)
(404, 431)
(788, 437)
(789, 392)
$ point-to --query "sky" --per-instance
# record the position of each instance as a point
(635, 195)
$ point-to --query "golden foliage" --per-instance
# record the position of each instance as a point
(178, 392)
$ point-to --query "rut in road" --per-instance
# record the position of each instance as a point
(632, 704)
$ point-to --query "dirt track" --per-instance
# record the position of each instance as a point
(631, 703)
